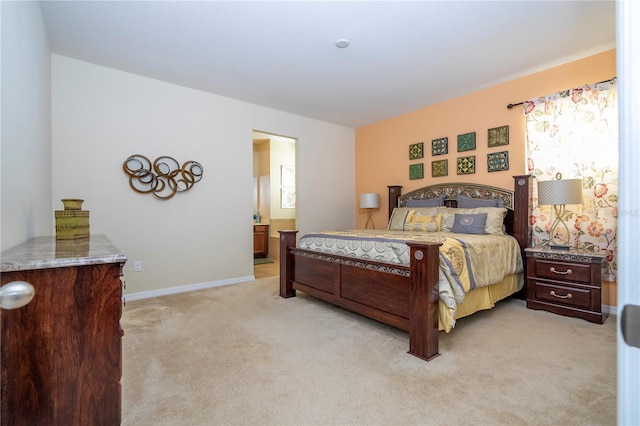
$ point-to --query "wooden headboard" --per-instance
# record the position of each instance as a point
(517, 201)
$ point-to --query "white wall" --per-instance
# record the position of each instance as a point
(26, 125)
(101, 116)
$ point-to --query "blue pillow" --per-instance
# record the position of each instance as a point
(426, 202)
(469, 223)
(472, 203)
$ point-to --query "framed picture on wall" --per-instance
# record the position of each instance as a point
(497, 161)
(416, 150)
(498, 136)
(288, 198)
(416, 171)
(440, 146)
(467, 142)
(466, 165)
(439, 168)
(287, 176)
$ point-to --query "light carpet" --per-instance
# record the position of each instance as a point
(241, 355)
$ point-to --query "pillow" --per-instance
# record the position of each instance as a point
(398, 218)
(426, 202)
(424, 223)
(469, 223)
(471, 203)
(402, 215)
(493, 225)
(419, 216)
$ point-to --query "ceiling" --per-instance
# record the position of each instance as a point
(402, 56)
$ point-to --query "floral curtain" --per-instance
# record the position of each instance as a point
(575, 133)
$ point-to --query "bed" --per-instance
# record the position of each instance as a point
(405, 293)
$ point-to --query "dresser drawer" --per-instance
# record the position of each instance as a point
(565, 271)
(564, 295)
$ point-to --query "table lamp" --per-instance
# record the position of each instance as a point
(369, 201)
(558, 193)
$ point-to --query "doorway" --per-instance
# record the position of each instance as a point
(274, 197)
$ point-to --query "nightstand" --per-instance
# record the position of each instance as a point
(566, 282)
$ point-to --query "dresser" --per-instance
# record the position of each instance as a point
(62, 353)
(566, 282)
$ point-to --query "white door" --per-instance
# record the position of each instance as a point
(628, 64)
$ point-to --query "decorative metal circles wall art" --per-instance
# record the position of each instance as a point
(163, 178)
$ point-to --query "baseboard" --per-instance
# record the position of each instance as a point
(184, 288)
(611, 310)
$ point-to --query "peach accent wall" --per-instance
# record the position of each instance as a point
(382, 149)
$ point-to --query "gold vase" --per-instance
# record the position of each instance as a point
(72, 223)
(72, 203)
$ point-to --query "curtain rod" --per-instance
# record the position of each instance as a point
(599, 82)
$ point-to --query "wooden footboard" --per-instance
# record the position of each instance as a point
(403, 297)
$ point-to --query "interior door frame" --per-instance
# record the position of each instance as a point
(628, 66)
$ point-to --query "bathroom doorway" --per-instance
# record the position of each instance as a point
(274, 197)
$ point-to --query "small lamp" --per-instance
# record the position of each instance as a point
(559, 193)
(369, 201)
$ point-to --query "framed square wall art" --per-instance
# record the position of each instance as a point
(466, 165)
(416, 150)
(416, 171)
(498, 161)
(467, 142)
(498, 136)
(440, 146)
(439, 168)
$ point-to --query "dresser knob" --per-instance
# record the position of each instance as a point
(568, 296)
(16, 294)
(567, 272)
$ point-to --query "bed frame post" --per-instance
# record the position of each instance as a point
(423, 300)
(287, 240)
(394, 193)
(522, 210)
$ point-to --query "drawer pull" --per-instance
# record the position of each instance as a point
(567, 272)
(568, 296)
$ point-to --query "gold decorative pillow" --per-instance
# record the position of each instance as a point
(424, 223)
(401, 216)
(417, 215)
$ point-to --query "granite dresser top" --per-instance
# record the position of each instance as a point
(47, 252)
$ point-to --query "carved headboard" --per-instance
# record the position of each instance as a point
(516, 202)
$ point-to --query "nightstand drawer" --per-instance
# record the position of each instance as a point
(566, 282)
(563, 271)
(558, 294)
